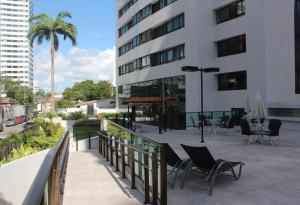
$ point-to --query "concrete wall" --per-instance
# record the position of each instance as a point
(16, 178)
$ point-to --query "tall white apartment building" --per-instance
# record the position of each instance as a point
(255, 43)
(16, 54)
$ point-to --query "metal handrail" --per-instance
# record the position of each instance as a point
(113, 149)
(122, 143)
(37, 189)
(134, 133)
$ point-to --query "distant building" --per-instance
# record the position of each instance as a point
(5, 109)
(96, 106)
(16, 54)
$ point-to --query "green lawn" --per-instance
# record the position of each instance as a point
(83, 132)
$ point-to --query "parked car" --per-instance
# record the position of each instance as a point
(25, 118)
(19, 120)
(11, 122)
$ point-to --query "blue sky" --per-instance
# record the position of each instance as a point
(95, 20)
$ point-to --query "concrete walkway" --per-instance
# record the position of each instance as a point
(90, 180)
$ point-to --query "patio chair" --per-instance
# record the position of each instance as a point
(228, 125)
(273, 131)
(174, 161)
(203, 161)
(246, 131)
(194, 123)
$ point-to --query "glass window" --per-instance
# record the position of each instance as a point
(232, 81)
(232, 46)
(169, 26)
(170, 56)
(230, 11)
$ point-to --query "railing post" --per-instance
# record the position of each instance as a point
(106, 147)
(146, 174)
(117, 155)
(124, 120)
(159, 124)
(100, 144)
(154, 177)
(76, 138)
(163, 176)
(123, 158)
(103, 147)
(111, 151)
(132, 168)
(55, 191)
(89, 133)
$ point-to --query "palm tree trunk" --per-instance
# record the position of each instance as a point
(52, 76)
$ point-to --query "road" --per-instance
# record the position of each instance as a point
(8, 130)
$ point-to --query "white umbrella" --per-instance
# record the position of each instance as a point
(258, 110)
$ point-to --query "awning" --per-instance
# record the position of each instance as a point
(144, 100)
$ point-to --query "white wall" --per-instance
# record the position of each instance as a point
(16, 178)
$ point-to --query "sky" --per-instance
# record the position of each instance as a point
(94, 56)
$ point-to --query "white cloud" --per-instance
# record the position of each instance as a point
(76, 65)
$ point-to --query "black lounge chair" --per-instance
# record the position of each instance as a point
(273, 131)
(174, 161)
(202, 160)
(246, 131)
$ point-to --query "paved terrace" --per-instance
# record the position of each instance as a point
(271, 174)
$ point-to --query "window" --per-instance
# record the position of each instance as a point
(162, 57)
(232, 81)
(231, 11)
(153, 33)
(144, 13)
(231, 46)
(123, 10)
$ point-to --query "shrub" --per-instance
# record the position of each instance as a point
(75, 116)
(32, 141)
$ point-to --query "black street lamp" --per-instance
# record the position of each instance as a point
(205, 70)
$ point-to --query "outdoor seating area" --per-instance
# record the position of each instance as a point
(269, 172)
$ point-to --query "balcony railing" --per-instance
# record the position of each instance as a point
(139, 159)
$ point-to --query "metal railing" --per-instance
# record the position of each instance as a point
(213, 115)
(7, 149)
(48, 185)
(139, 159)
(78, 136)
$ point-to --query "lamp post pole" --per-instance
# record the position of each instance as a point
(202, 70)
(201, 119)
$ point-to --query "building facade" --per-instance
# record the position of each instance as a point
(256, 47)
(16, 54)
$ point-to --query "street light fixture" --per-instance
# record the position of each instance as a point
(205, 70)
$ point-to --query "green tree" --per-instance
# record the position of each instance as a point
(72, 95)
(105, 89)
(21, 94)
(44, 27)
(88, 90)
(41, 93)
(64, 104)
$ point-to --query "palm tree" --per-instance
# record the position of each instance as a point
(46, 28)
